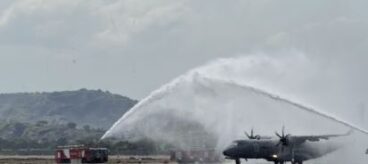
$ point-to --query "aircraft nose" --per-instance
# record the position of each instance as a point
(226, 152)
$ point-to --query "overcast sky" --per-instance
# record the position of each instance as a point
(132, 47)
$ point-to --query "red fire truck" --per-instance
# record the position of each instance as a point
(80, 154)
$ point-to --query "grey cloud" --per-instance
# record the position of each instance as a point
(116, 45)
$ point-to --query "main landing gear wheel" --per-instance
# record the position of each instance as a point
(279, 162)
(237, 161)
(297, 162)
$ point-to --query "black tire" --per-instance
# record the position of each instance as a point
(237, 161)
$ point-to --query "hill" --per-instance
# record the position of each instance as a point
(95, 108)
(41, 138)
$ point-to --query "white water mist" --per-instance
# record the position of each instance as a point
(224, 104)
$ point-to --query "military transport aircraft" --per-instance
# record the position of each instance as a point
(279, 150)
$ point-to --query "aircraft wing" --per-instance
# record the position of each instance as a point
(314, 138)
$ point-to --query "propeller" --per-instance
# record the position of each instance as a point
(251, 135)
(284, 142)
(284, 139)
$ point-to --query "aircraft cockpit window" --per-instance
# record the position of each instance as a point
(234, 144)
(237, 143)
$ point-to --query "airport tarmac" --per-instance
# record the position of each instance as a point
(122, 159)
(15, 159)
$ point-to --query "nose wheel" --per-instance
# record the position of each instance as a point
(237, 161)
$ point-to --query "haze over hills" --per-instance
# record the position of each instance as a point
(96, 108)
(35, 123)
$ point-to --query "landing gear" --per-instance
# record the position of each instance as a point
(279, 162)
(297, 162)
(237, 161)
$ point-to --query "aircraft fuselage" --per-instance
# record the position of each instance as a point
(271, 151)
